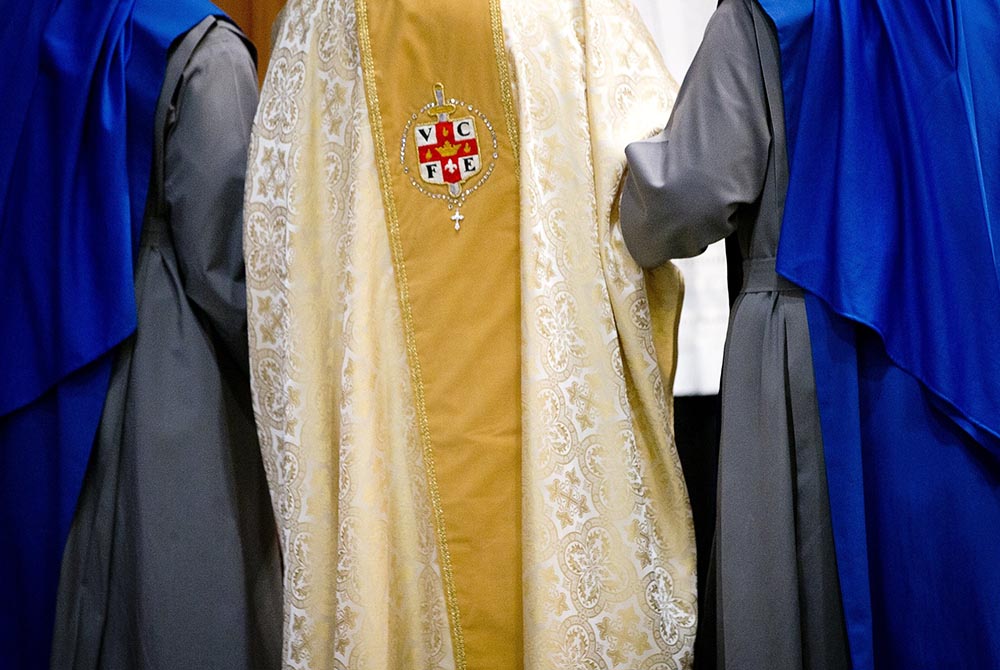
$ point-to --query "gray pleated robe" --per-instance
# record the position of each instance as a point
(720, 167)
(172, 561)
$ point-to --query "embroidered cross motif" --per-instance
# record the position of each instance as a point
(569, 502)
(624, 636)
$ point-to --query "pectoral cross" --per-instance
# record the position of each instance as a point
(457, 218)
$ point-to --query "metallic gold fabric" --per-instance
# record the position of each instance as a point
(607, 567)
(459, 289)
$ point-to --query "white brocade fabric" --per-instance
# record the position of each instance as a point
(608, 549)
(677, 27)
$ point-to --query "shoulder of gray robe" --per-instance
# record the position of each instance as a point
(172, 560)
(686, 185)
(720, 167)
(214, 105)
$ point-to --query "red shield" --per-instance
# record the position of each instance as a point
(448, 151)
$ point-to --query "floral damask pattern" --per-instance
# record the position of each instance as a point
(267, 248)
(332, 401)
(608, 542)
(674, 610)
(576, 649)
(280, 111)
(557, 318)
(607, 471)
(588, 558)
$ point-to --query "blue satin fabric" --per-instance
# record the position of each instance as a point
(80, 81)
(892, 225)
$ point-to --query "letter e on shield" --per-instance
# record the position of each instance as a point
(448, 151)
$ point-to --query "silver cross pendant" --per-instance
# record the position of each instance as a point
(457, 218)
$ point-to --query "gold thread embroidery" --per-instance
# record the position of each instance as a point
(503, 69)
(385, 175)
(676, 307)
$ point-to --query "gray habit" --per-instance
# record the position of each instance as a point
(172, 561)
(720, 167)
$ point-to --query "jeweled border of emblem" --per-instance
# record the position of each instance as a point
(454, 202)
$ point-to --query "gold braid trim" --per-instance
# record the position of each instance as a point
(392, 221)
(503, 70)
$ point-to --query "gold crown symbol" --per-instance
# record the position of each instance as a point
(448, 149)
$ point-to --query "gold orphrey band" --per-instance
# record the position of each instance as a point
(402, 286)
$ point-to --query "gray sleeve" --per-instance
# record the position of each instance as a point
(205, 167)
(686, 185)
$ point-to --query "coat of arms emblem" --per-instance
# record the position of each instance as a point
(447, 153)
